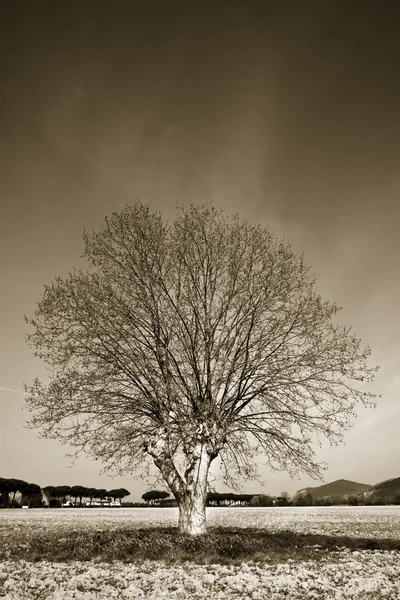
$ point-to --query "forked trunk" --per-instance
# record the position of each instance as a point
(190, 488)
(192, 500)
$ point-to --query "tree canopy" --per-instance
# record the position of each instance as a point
(185, 341)
(154, 495)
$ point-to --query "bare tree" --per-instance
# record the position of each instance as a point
(185, 341)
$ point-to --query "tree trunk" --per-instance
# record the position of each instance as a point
(192, 513)
(192, 501)
(190, 489)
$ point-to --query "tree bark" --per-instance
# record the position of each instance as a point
(189, 490)
(192, 501)
(192, 513)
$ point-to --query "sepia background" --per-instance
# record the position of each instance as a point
(287, 113)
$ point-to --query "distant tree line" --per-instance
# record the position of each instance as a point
(29, 491)
(58, 494)
(303, 499)
(226, 499)
(32, 494)
(157, 498)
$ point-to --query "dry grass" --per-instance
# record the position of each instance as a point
(297, 554)
(218, 546)
(341, 575)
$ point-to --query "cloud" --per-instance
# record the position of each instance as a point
(4, 389)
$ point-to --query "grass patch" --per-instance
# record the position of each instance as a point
(219, 545)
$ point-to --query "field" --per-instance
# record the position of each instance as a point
(253, 554)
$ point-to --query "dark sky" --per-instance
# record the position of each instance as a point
(285, 112)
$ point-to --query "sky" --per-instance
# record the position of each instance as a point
(285, 112)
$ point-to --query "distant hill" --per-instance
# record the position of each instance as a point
(341, 488)
(387, 491)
